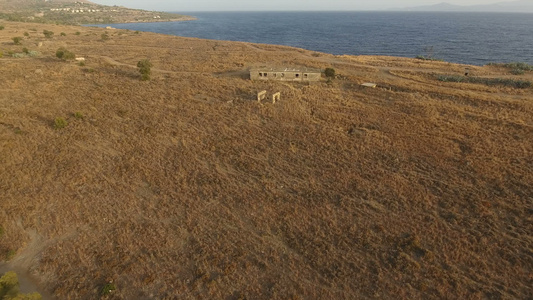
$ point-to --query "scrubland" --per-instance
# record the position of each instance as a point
(185, 187)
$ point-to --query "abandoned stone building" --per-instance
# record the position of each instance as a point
(285, 74)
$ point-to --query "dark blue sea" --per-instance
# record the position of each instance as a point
(471, 38)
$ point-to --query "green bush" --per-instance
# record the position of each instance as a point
(10, 290)
(65, 54)
(25, 50)
(108, 289)
(17, 40)
(78, 115)
(60, 123)
(2, 27)
(517, 72)
(1, 54)
(145, 69)
(48, 33)
(105, 36)
(63, 34)
(26, 34)
(329, 72)
(78, 33)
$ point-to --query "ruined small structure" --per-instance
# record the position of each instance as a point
(261, 96)
(276, 97)
(285, 74)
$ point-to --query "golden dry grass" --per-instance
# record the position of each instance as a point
(183, 187)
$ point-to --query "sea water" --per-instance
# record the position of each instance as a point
(470, 38)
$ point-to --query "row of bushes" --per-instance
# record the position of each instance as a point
(514, 65)
(517, 68)
(422, 57)
(520, 84)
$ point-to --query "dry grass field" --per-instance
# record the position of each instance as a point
(185, 187)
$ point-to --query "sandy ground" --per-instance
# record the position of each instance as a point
(184, 187)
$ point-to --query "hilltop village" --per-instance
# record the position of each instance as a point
(63, 12)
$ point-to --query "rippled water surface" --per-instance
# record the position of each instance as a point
(472, 38)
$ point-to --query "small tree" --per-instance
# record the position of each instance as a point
(17, 40)
(145, 69)
(64, 54)
(48, 33)
(329, 72)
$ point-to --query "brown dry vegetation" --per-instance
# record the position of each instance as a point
(183, 187)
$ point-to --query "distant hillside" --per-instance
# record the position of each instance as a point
(78, 12)
(523, 6)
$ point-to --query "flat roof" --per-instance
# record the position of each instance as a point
(282, 69)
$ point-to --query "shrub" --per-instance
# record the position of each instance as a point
(25, 50)
(26, 33)
(78, 33)
(33, 53)
(514, 66)
(329, 72)
(104, 36)
(78, 115)
(64, 54)
(48, 33)
(1, 54)
(9, 288)
(2, 27)
(108, 289)
(60, 123)
(63, 34)
(422, 57)
(17, 40)
(145, 69)
(517, 72)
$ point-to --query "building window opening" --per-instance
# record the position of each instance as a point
(297, 75)
(282, 74)
(305, 75)
(265, 74)
(260, 74)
